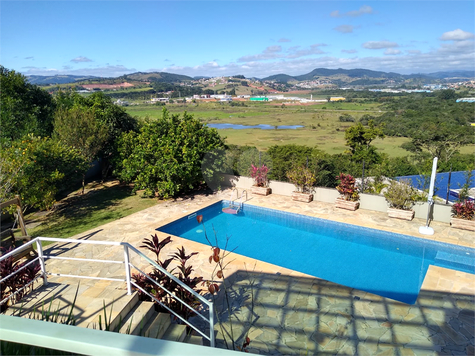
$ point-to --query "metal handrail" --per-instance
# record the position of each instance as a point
(128, 280)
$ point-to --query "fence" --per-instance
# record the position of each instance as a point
(127, 279)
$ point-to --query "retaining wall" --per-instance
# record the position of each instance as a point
(440, 212)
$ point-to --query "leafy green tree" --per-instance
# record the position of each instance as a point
(25, 108)
(165, 157)
(359, 139)
(446, 94)
(106, 113)
(440, 139)
(38, 169)
(78, 128)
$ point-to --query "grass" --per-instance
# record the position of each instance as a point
(322, 127)
(101, 203)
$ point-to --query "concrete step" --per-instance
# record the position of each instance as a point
(193, 339)
(175, 332)
(137, 318)
(158, 326)
(125, 307)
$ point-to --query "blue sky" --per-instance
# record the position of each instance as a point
(252, 38)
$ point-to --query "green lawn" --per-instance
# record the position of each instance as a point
(99, 205)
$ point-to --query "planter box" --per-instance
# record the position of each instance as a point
(401, 214)
(260, 190)
(347, 204)
(463, 224)
(303, 197)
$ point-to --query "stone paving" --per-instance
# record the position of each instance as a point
(287, 312)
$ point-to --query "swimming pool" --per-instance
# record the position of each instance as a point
(383, 263)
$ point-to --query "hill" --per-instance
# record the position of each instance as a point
(57, 79)
(163, 77)
(366, 76)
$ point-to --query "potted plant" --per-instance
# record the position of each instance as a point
(401, 197)
(303, 179)
(349, 196)
(259, 174)
(463, 215)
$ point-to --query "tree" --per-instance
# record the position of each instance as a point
(38, 169)
(359, 139)
(440, 139)
(165, 157)
(106, 113)
(26, 108)
(78, 128)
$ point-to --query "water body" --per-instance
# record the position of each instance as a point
(260, 126)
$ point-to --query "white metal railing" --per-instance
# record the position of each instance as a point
(128, 280)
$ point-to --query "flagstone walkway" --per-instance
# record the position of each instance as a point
(287, 312)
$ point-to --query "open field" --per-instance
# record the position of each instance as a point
(321, 123)
(321, 126)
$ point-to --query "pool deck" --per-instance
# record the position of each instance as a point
(294, 313)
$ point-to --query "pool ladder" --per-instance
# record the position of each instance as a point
(237, 196)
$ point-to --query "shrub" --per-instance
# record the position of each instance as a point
(302, 178)
(347, 188)
(165, 158)
(259, 174)
(38, 169)
(11, 287)
(401, 195)
(346, 118)
(182, 271)
(464, 210)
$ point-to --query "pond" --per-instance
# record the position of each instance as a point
(260, 126)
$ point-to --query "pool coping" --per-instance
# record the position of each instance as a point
(437, 278)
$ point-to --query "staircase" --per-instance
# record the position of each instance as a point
(143, 320)
(125, 314)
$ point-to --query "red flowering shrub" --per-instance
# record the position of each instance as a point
(464, 210)
(259, 174)
(347, 187)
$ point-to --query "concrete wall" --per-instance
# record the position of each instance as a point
(440, 212)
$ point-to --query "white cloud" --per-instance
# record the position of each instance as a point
(81, 59)
(344, 28)
(283, 39)
(379, 44)
(392, 51)
(105, 71)
(273, 49)
(413, 51)
(363, 10)
(275, 52)
(349, 51)
(456, 35)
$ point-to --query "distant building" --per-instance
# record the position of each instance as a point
(337, 98)
(259, 98)
(466, 100)
(159, 100)
(121, 103)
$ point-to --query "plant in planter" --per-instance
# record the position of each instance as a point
(401, 197)
(349, 196)
(259, 174)
(463, 214)
(304, 180)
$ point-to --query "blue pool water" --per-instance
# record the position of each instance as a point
(387, 264)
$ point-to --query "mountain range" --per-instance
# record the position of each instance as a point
(337, 76)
